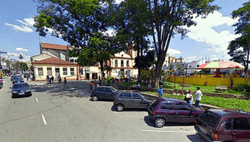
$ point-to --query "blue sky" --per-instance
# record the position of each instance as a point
(209, 38)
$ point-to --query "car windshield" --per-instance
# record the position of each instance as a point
(20, 85)
(113, 89)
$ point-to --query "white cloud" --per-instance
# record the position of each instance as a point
(110, 32)
(191, 57)
(173, 52)
(25, 26)
(213, 57)
(204, 32)
(22, 49)
(15, 56)
(118, 1)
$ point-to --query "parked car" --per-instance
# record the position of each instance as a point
(164, 110)
(224, 125)
(20, 89)
(103, 92)
(131, 100)
(17, 79)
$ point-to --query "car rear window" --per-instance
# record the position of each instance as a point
(155, 103)
(210, 118)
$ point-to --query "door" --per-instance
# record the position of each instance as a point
(57, 72)
(127, 100)
(225, 131)
(184, 113)
(108, 94)
(241, 130)
(100, 92)
(167, 110)
(137, 101)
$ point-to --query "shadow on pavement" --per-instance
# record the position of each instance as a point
(195, 138)
(149, 121)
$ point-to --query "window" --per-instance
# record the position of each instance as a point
(168, 106)
(121, 63)
(228, 124)
(71, 60)
(127, 63)
(116, 63)
(210, 118)
(81, 71)
(125, 95)
(65, 71)
(198, 65)
(101, 89)
(108, 90)
(136, 96)
(49, 71)
(72, 71)
(40, 71)
(241, 124)
(181, 106)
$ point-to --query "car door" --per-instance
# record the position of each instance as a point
(137, 101)
(127, 100)
(100, 92)
(168, 111)
(241, 129)
(108, 94)
(183, 113)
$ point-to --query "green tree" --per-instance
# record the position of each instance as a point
(240, 47)
(168, 18)
(130, 19)
(23, 66)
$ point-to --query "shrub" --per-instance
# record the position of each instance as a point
(242, 87)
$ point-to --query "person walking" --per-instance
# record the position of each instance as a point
(27, 77)
(59, 79)
(65, 83)
(160, 92)
(198, 95)
(31, 77)
(52, 79)
(189, 98)
(47, 77)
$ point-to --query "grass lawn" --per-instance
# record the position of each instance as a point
(227, 103)
(207, 89)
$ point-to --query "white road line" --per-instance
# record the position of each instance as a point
(37, 100)
(167, 131)
(44, 120)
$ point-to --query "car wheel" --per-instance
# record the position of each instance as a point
(160, 122)
(95, 98)
(120, 107)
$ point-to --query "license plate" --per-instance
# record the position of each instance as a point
(21, 93)
(203, 130)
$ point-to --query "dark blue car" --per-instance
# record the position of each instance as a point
(17, 79)
(21, 89)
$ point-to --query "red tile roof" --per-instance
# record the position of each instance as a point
(54, 61)
(54, 46)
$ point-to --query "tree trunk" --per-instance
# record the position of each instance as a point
(102, 69)
(158, 68)
(246, 69)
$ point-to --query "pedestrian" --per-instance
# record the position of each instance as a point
(93, 86)
(59, 78)
(149, 86)
(103, 82)
(90, 86)
(160, 92)
(27, 77)
(47, 77)
(52, 78)
(189, 98)
(1, 83)
(65, 83)
(31, 77)
(97, 85)
(198, 95)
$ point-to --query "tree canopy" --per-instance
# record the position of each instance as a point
(239, 47)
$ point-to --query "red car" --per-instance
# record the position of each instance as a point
(164, 110)
(223, 125)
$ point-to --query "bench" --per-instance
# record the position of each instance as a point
(220, 87)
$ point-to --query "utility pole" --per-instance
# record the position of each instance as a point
(1, 58)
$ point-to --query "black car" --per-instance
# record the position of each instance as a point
(20, 89)
(17, 79)
(103, 92)
(131, 100)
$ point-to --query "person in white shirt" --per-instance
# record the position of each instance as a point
(198, 95)
(189, 98)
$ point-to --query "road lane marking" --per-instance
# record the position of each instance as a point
(157, 131)
(37, 100)
(44, 120)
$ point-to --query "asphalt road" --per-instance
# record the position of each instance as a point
(60, 116)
